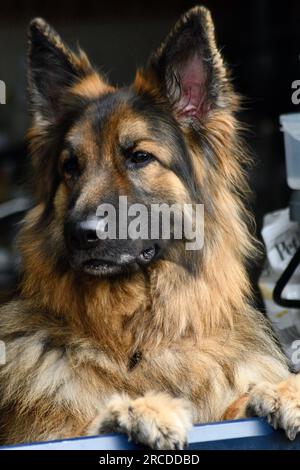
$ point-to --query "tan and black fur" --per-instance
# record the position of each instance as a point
(146, 350)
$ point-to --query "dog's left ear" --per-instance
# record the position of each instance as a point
(188, 68)
(53, 70)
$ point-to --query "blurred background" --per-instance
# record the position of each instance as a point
(260, 40)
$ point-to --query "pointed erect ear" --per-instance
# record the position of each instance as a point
(188, 68)
(53, 69)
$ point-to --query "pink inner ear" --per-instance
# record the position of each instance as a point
(192, 78)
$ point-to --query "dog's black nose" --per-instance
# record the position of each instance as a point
(82, 234)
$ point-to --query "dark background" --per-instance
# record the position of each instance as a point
(260, 40)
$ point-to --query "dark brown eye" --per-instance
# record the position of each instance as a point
(138, 158)
(70, 167)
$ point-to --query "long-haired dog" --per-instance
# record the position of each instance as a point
(125, 335)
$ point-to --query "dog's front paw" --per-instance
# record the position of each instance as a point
(279, 404)
(155, 420)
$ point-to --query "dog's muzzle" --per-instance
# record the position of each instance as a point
(104, 257)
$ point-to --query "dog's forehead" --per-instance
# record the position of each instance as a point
(109, 109)
(121, 117)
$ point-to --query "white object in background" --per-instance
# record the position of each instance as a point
(290, 125)
(282, 239)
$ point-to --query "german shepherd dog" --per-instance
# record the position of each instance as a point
(125, 335)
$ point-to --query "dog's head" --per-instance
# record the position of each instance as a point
(92, 143)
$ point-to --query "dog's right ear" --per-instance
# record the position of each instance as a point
(188, 70)
(53, 70)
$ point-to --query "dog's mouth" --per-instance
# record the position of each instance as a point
(125, 263)
(98, 267)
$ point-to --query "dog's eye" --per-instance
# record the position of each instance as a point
(70, 166)
(138, 158)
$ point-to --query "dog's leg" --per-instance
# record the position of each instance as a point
(155, 420)
(279, 404)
